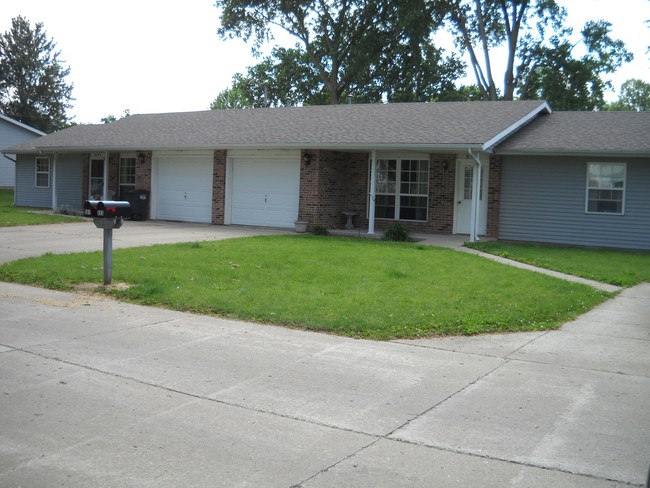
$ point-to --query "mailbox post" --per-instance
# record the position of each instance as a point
(107, 215)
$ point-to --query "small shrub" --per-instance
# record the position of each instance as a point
(396, 232)
(319, 230)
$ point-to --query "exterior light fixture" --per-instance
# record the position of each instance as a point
(306, 159)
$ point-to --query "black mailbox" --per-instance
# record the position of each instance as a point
(90, 208)
(107, 209)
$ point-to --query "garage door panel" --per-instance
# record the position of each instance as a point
(265, 192)
(184, 189)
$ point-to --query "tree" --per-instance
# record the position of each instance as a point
(634, 96)
(111, 118)
(231, 98)
(537, 64)
(347, 49)
(574, 83)
(32, 78)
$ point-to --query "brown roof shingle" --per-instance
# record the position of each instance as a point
(583, 133)
(362, 126)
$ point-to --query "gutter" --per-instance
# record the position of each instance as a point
(6, 155)
(366, 147)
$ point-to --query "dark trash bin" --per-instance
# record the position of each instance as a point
(139, 200)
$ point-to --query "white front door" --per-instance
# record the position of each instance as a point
(265, 192)
(464, 186)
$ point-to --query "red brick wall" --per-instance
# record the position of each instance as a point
(113, 176)
(219, 187)
(143, 170)
(332, 182)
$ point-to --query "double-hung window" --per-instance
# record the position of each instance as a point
(42, 172)
(606, 188)
(127, 176)
(402, 189)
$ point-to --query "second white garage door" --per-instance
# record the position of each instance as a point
(184, 189)
(265, 192)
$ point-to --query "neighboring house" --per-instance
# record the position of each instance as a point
(512, 170)
(12, 132)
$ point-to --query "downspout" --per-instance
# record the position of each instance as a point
(476, 192)
(373, 190)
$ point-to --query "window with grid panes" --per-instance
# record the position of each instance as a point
(402, 189)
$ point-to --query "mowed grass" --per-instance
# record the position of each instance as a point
(12, 216)
(622, 268)
(350, 287)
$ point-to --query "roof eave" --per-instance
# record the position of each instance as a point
(573, 152)
(305, 145)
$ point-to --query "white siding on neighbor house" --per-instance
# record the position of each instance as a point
(543, 200)
(26, 192)
(10, 135)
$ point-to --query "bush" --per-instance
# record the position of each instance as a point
(319, 230)
(396, 232)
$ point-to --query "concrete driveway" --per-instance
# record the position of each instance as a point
(36, 240)
(99, 393)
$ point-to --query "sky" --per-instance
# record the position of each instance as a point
(153, 56)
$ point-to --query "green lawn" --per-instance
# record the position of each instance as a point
(620, 268)
(351, 287)
(11, 216)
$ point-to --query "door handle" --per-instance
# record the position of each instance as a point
(459, 202)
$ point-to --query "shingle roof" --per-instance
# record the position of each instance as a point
(583, 133)
(430, 125)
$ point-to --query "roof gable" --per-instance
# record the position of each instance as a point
(15, 123)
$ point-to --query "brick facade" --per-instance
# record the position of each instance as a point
(330, 183)
(334, 182)
(143, 162)
(219, 187)
(494, 196)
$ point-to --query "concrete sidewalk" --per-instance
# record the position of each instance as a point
(99, 393)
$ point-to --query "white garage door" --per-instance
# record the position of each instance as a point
(184, 189)
(265, 192)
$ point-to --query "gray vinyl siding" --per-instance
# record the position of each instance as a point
(11, 135)
(69, 175)
(543, 200)
(26, 192)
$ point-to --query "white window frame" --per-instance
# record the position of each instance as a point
(120, 183)
(398, 186)
(37, 173)
(591, 187)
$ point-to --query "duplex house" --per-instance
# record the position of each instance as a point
(512, 170)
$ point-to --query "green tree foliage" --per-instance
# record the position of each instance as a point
(32, 78)
(111, 118)
(634, 96)
(568, 82)
(348, 50)
(541, 60)
(232, 98)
